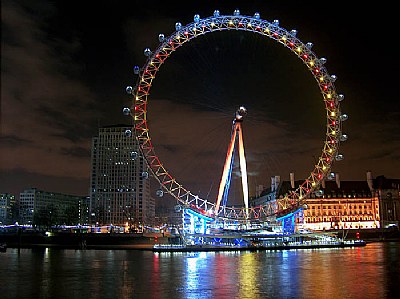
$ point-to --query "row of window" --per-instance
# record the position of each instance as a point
(344, 219)
(339, 207)
(330, 213)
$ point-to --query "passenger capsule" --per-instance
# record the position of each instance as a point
(293, 32)
(236, 12)
(319, 193)
(128, 133)
(331, 176)
(322, 60)
(129, 89)
(216, 13)
(147, 52)
(339, 157)
(196, 18)
(333, 78)
(343, 137)
(344, 117)
(178, 26)
(134, 155)
(276, 22)
(160, 193)
(145, 175)
(136, 69)
(309, 45)
(126, 111)
(257, 15)
(161, 37)
(341, 97)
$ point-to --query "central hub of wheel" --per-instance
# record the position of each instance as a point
(240, 113)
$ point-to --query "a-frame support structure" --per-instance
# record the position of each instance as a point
(236, 135)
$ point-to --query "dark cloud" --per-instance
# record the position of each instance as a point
(65, 67)
(41, 100)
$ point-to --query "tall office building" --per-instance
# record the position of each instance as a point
(120, 183)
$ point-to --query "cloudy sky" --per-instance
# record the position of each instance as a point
(65, 66)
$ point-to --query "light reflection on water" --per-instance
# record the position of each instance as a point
(367, 272)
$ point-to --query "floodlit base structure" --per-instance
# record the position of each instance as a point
(198, 228)
(200, 233)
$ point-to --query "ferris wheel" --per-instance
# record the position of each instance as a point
(215, 23)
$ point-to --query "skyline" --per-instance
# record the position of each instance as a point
(64, 73)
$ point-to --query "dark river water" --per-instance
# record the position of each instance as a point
(372, 271)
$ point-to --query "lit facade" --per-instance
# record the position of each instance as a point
(84, 210)
(120, 182)
(388, 193)
(348, 206)
(7, 208)
(43, 208)
(337, 204)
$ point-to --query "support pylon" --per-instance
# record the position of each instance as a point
(226, 174)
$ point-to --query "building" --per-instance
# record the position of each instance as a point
(8, 209)
(348, 205)
(388, 193)
(84, 210)
(120, 181)
(45, 209)
(337, 204)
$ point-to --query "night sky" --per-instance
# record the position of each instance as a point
(65, 66)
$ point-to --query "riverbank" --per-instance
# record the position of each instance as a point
(142, 241)
(81, 240)
(369, 235)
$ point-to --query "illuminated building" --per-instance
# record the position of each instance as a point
(7, 208)
(337, 204)
(44, 208)
(388, 193)
(84, 210)
(120, 183)
(347, 205)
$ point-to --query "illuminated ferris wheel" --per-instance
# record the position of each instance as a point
(217, 22)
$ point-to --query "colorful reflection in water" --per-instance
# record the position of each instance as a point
(368, 272)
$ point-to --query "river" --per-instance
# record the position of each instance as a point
(372, 271)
